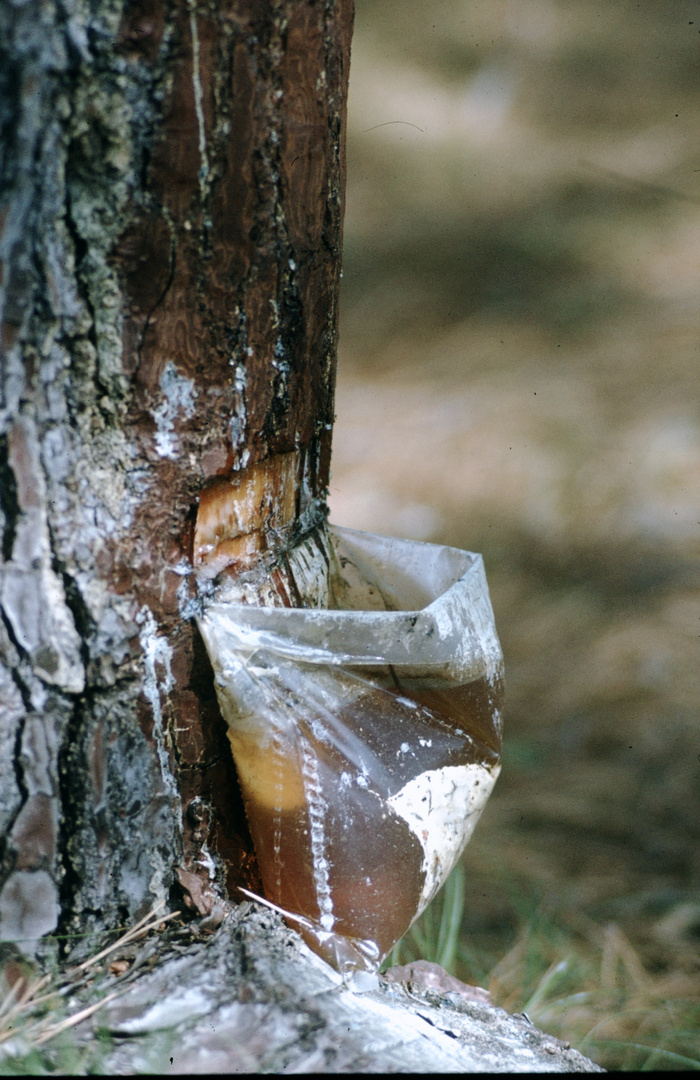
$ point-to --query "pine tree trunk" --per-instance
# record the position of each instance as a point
(171, 181)
(172, 197)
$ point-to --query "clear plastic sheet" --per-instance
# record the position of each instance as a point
(366, 732)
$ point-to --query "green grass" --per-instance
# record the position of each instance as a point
(435, 936)
(583, 983)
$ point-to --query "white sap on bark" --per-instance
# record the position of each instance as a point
(157, 653)
(178, 400)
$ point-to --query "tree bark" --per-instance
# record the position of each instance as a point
(172, 199)
(254, 999)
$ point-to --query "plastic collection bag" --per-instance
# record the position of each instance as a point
(366, 735)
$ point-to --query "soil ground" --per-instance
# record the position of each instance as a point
(519, 375)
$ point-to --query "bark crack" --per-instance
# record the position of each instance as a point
(69, 884)
(15, 670)
(9, 504)
(24, 793)
(80, 252)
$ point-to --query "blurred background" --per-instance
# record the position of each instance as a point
(519, 375)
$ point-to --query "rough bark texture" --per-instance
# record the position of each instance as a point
(254, 999)
(172, 179)
(279, 1020)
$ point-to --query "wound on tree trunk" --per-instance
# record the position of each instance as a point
(170, 234)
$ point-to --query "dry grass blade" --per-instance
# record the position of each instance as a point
(618, 950)
(142, 926)
(71, 1021)
(27, 999)
(11, 999)
(36, 1032)
(546, 983)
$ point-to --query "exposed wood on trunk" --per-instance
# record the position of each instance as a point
(172, 207)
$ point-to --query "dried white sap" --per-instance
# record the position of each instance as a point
(366, 734)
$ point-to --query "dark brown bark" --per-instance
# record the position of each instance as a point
(172, 196)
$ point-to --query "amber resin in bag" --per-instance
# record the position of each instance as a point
(366, 737)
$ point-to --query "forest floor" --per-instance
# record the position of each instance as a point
(519, 375)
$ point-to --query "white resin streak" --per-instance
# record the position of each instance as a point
(317, 808)
(441, 807)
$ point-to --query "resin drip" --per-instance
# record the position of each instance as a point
(317, 809)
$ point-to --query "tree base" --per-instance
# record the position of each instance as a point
(253, 998)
